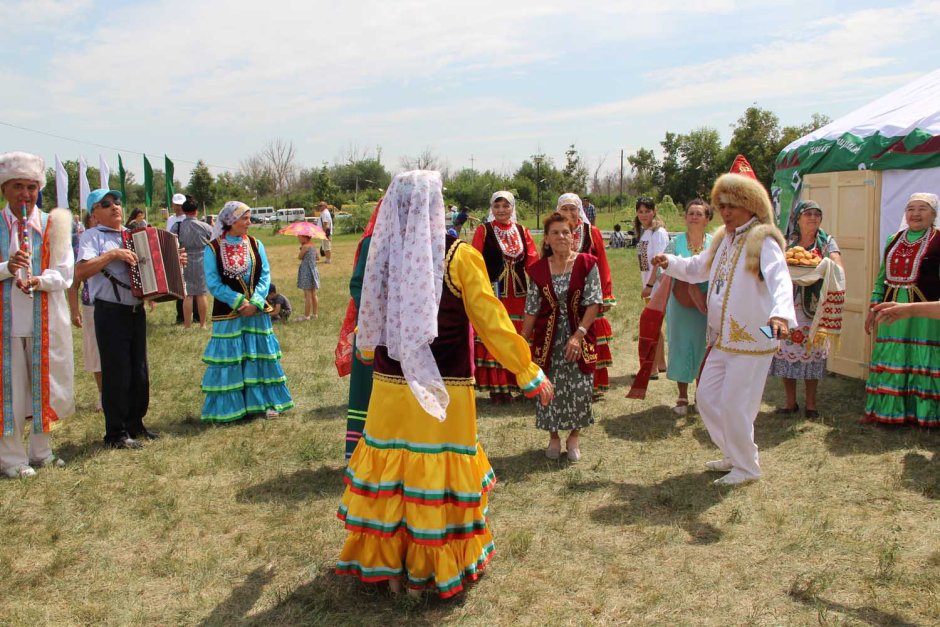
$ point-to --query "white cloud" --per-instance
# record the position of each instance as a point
(856, 53)
(20, 13)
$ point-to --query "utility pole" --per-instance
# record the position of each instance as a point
(538, 190)
(621, 179)
(472, 169)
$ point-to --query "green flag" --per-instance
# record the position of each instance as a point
(169, 181)
(122, 176)
(148, 183)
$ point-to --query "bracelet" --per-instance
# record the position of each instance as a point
(650, 286)
(582, 330)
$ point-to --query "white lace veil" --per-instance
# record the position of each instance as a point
(401, 289)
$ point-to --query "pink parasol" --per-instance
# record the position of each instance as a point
(304, 228)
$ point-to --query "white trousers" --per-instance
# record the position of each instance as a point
(12, 452)
(728, 398)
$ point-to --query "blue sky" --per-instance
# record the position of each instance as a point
(495, 79)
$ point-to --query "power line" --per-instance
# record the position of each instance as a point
(114, 148)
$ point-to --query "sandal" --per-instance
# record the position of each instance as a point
(787, 411)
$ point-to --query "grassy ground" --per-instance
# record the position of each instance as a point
(235, 524)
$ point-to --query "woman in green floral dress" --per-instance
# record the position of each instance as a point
(564, 296)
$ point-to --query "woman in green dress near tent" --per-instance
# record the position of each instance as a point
(904, 379)
(685, 312)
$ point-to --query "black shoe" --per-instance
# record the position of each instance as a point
(124, 443)
(811, 413)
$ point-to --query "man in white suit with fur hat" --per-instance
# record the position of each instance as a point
(36, 360)
(750, 307)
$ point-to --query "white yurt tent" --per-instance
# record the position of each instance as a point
(861, 169)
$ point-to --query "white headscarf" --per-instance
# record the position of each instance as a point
(930, 199)
(506, 196)
(231, 211)
(401, 289)
(573, 199)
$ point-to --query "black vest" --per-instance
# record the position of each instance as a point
(451, 347)
(221, 310)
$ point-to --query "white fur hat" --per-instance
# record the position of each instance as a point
(22, 165)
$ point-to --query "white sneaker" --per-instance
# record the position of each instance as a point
(19, 471)
(734, 478)
(720, 465)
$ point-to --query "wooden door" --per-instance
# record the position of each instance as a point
(851, 206)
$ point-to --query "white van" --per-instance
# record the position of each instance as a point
(295, 214)
(262, 214)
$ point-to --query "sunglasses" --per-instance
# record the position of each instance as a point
(106, 203)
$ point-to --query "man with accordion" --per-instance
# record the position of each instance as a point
(120, 322)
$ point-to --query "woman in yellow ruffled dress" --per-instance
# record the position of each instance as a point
(415, 506)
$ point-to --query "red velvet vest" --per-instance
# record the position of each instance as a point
(221, 310)
(451, 347)
(550, 309)
(917, 268)
(509, 273)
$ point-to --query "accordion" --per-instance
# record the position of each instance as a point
(158, 275)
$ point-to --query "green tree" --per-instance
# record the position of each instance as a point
(323, 187)
(201, 184)
(575, 174)
(668, 179)
(646, 172)
(472, 189)
(756, 135)
(228, 186)
(702, 161)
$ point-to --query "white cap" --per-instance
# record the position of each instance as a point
(178, 199)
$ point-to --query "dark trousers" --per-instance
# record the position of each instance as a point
(125, 378)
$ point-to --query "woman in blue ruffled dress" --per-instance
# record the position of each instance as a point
(244, 375)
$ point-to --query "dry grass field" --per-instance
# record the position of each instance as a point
(230, 525)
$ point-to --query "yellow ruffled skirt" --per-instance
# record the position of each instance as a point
(415, 504)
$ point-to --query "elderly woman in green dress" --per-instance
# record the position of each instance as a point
(564, 296)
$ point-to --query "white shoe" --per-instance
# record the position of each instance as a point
(52, 460)
(681, 410)
(19, 471)
(720, 465)
(734, 478)
(552, 451)
(271, 414)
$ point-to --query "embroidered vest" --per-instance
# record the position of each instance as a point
(914, 266)
(451, 347)
(509, 272)
(746, 301)
(550, 309)
(220, 309)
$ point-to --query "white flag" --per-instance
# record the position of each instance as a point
(83, 189)
(104, 171)
(61, 184)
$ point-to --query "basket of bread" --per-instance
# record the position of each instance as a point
(799, 256)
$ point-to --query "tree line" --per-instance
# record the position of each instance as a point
(688, 165)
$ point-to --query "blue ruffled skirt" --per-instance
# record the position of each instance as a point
(244, 374)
